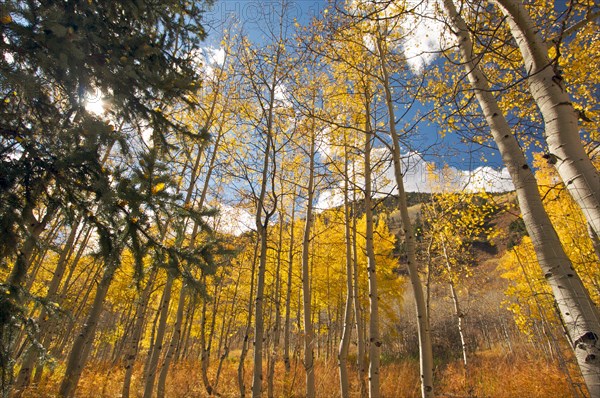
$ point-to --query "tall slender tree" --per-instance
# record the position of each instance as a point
(549, 89)
(579, 314)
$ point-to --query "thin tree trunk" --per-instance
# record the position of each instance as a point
(579, 314)
(374, 339)
(309, 338)
(361, 351)
(175, 339)
(183, 346)
(277, 324)
(425, 349)
(288, 293)
(24, 376)
(15, 283)
(137, 332)
(206, 341)
(154, 355)
(225, 333)
(84, 340)
(457, 310)
(259, 328)
(262, 222)
(244, 350)
(347, 325)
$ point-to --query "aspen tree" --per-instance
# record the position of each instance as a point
(265, 70)
(579, 314)
(309, 335)
(213, 118)
(425, 349)
(347, 325)
(548, 88)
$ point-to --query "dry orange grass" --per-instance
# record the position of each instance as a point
(497, 375)
(492, 374)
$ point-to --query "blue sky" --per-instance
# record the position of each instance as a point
(251, 16)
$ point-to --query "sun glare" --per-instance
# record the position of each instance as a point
(96, 106)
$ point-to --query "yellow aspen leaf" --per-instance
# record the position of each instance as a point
(158, 187)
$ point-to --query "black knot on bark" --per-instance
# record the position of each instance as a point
(586, 341)
(590, 358)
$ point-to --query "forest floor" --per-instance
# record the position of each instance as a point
(495, 373)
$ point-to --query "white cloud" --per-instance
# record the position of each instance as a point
(425, 36)
(420, 176)
(233, 220)
(215, 56)
(281, 95)
(210, 58)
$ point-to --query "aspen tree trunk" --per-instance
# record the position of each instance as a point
(277, 324)
(262, 223)
(184, 348)
(595, 238)
(457, 310)
(39, 256)
(24, 376)
(35, 227)
(151, 340)
(360, 336)
(548, 89)
(66, 330)
(347, 326)
(206, 341)
(578, 312)
(154, 354)
(175, 339)
(309, 335)
(73, 266)
(137, 332)
(288, 294)
(374, 340)
(176, 336)
(128, 321)
(425, 350)
(15, 283)
(227, 330)
(244, 351)
(84, 340)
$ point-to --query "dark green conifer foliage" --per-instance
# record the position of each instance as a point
(54, 56)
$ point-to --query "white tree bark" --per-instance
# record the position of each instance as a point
(374, 338)
(157, 347)
(560, 118)
(578, 312)
(288, 292)
(133, 343)
(309, 335)
(84, 340)
(425, 350)
(347, 326)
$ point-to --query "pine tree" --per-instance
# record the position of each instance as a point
(55, 56)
